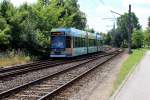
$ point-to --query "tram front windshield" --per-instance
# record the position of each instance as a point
(58, 42)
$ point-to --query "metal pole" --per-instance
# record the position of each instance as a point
(115, 12)
(129, 31)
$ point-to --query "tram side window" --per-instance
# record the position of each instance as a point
(75, 42)
(99, 42)
(92, 42)
(68, 42)
(73, 39)
(95, 42)
(83, 42)
(88, 42)
(79, 42)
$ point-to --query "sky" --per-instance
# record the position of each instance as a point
(97, 10)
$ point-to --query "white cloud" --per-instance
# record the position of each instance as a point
(95, 17)
(136, 2)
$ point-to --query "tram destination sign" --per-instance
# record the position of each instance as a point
(57, 33)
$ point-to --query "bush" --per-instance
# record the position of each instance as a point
(4, 40)
(147, 38)
(137, 39)
(13, 57)
(42, 40)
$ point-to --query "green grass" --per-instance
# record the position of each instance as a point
(131, 61)
(14, 57)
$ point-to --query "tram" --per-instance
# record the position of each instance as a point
(71, 42)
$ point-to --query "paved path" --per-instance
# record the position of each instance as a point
(138, 85)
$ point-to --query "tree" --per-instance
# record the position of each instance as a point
(16, 21)
(4, 34)
(107, 39)
(137, 39)
(71, 16)
(149, 22)
(3, 23)
(4, 39)
(43, 2)
(147, 37)
(7, 10)
(116, 38)
(28, 26)
(43, 41)
(122, 24)
(90, 30)
(120, 34)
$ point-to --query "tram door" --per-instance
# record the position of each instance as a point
(68, 45)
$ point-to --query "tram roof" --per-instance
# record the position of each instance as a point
(74, 32)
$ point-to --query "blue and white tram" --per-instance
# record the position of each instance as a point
(70, 42)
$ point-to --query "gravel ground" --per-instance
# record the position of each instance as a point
(97, 85)
(30, 76)
(54, 82)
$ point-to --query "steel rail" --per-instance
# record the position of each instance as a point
(36, 66)
(15, 89)
(54, 92)
(15, 67)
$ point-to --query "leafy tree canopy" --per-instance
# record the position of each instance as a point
(120, 34)
(122, 24)
(137, 39)
(28, 26)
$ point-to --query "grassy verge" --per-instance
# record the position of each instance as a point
(14, 57)
(132, 60)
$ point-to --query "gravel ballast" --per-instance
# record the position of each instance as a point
(97, 85)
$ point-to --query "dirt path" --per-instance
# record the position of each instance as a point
(102, 91)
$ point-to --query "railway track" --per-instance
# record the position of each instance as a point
(37, 63)
(20, 79)
(21, 69)
(47, 86)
